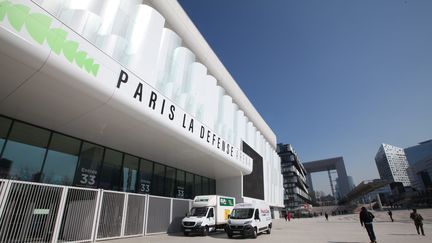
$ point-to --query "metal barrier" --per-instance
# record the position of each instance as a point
(110, 215)
(179, 208)
(79, 215)
(136, 205)
(158, 215)
(36, 212)
(165, 214)
(30, 212)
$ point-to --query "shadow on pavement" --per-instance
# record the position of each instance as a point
(345, 242)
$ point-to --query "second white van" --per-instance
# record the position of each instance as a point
(249, 219)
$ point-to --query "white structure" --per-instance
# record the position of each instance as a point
(137, 77)
(392, 164)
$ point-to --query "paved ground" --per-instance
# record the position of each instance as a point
(339, 229)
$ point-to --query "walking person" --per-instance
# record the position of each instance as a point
(418, 221)
(326, 216)
(366, 219)
(289, 216)
(390, 214)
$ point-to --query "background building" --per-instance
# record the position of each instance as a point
(296, 192)
(420, 165)
(392, 164)
(330, 165)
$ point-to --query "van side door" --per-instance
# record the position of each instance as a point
(257, 219)
(211, 219)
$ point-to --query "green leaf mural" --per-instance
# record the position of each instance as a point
(39, 27)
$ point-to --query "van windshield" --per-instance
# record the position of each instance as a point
(198, 212)
(242, 213)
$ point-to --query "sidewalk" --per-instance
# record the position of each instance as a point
(339, 229)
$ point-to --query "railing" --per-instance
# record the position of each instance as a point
(36, 212)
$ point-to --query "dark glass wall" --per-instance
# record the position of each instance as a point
(129, 173)
(158, 181)
(61, 160)
(145, 176)
(253, 184)
(31, 153)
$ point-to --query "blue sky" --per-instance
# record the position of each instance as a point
(333, 78)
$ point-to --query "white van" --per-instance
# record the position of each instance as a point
(208, 213)
(249, 219)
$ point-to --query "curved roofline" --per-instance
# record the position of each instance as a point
(180, 22)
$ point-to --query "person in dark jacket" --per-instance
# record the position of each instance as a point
(418, 221)
(390, 214)
(366, 219)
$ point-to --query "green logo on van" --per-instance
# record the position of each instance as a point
(38, 26)
(223, 201)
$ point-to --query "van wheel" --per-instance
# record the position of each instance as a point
(268, 229)
(254, 233)
(205, 231)
(230, 236)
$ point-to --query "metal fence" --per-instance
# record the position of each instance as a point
(36, 212)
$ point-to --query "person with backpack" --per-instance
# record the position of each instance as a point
(418, 221)
(366, 219)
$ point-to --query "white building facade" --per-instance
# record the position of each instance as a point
(392, 164)
(126, 95)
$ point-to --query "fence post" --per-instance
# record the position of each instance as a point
(146, 213)
(97, 213)
(123, 224)
(4, 194)
(59, 215)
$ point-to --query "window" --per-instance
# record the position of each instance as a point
(189, 186)
(111, 168)
(61, 160)
(145, 176)
(87, 173)
(158, 179)
(256, 214)
(170, 182)
(24, 152)
(198, 186)
(210, 214)
(4, 129)
(129, 173)
(212, 187)
(205, 186)
(180, 184)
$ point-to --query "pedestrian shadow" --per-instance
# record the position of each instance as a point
(346, 242)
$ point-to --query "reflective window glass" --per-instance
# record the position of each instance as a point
(180, 184)
(145, 176)
(212, 187)
(170, 182)
(111, 170)
(198, 186)
(158, 180)
(205, 186)
(24, 152)
(130, 173)
(4, 129)
(61, 160)
(87, 174)
(189, 185)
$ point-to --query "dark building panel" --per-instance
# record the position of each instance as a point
(253, 184)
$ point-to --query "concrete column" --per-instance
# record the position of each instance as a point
(379, 202)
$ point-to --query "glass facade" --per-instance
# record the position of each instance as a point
(31, 153)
